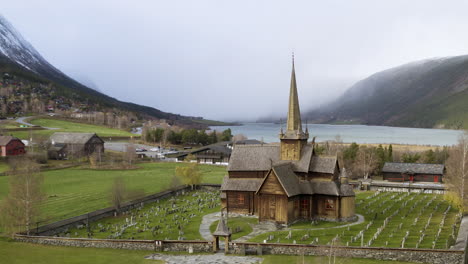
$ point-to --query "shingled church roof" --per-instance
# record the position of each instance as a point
(263, 157)
(240, 184)
(293, 186)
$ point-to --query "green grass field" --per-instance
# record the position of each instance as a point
(68, 126)
(3, 167)
(23, 253)
(76, 191)
(412, 218)
(160, 220)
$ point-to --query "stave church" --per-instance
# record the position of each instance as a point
(287, 182)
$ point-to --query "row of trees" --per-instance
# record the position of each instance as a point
(185, 136)
(363, 160)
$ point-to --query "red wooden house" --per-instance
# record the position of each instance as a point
(413, 172)
(11, 146)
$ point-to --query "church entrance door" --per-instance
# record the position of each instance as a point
(268, 207)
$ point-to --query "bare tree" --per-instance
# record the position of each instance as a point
(457, 171)
(20, 209)
(366, 161)
(118, 193)
(130, 154)
(239, 137)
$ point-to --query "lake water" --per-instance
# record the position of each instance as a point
(353, 133)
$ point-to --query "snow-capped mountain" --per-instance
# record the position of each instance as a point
(18, 50)
(17, 55)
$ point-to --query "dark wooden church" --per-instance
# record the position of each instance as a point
(287, 182)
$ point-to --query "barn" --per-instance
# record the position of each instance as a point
(413, 172)
(11, 146)
(74, 145)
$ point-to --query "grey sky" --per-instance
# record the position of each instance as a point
(232, 59)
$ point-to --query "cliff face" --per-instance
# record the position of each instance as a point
(429, 93)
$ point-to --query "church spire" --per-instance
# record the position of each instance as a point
(294, 139)
(294, 114)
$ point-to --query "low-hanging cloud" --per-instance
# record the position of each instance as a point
(232, 60)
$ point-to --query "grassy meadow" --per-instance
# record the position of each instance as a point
(22, 253)
(68, 126)
(75, 191)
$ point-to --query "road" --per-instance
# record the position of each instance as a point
(21, 120)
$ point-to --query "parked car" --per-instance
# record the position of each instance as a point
(141, 150)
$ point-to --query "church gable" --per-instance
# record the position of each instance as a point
(271, 185)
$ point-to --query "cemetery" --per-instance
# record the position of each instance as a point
(392, 220)
(174, 218)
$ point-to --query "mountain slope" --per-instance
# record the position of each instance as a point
(428, 93)
(19, 58)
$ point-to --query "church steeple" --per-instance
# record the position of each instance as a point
(294, 139)
(294, 114)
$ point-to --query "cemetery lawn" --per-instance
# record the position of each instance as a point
(244, 223)
(22, 253)
(68, 126)
(392, 219)
(75, 191)
(174, 218)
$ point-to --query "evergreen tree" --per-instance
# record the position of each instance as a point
(227, 135)
(390, 153)
(350, 152)
(213, 138)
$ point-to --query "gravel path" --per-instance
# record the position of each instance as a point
(205, 225)
(205, 259)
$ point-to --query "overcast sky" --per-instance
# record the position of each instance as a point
(231, 60)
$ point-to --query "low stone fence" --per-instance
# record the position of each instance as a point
(60, 226)
(432, 256)
(152, 245)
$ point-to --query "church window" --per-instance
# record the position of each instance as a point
(304, 204)
(329, 204)
(241, 198)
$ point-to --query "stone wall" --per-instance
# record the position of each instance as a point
(154, 245)
(432, 256)
(60, 226)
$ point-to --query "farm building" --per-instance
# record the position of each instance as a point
(287, 182)
(413, 172)
(74, 144)
(217, 153)
(57, 151)
(11, 146)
